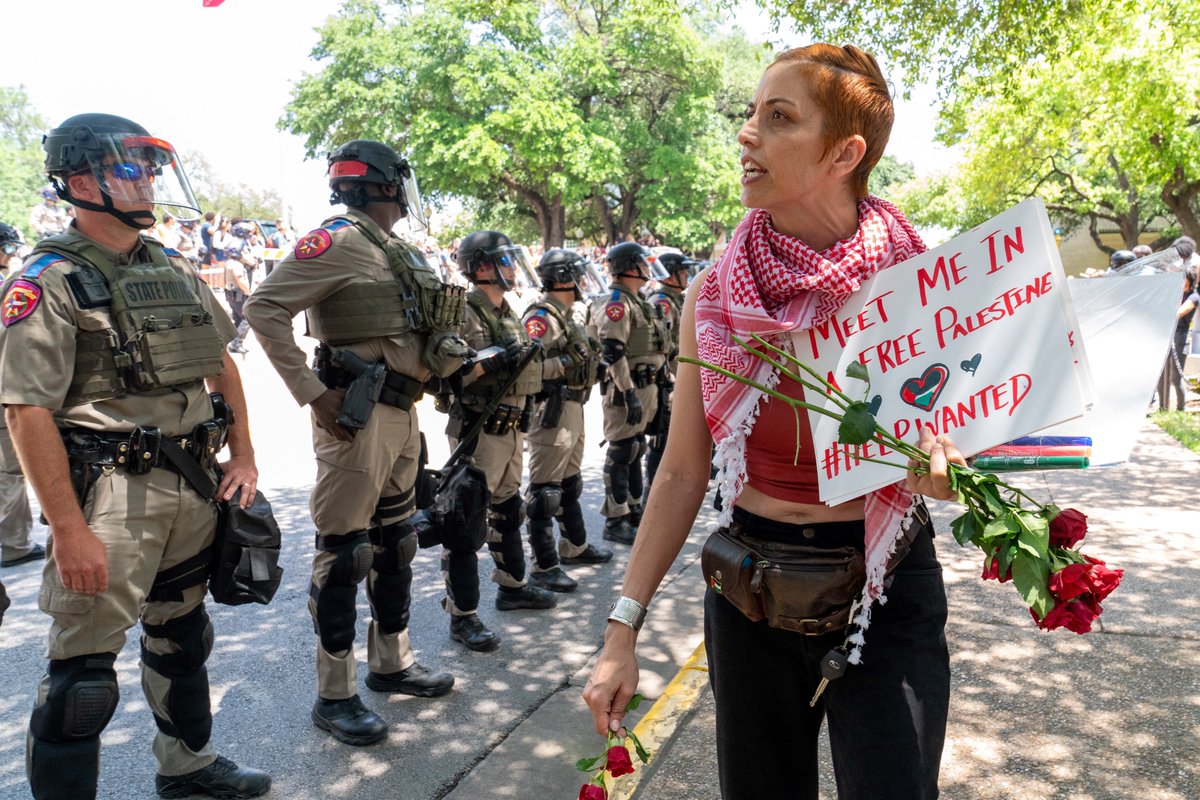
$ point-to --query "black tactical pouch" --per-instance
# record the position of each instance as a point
(245, 565)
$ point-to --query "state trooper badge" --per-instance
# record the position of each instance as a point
(313, 244)
(615, 311)
(19, 302)
(535, 327)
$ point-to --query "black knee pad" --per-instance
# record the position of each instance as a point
(390, 595)
(82, 698)
(639, 444)
(190, 710)
(397, 545)
(507, 515)
(623, 451)
(572, 487)
(545, 499)
(462, 578)
(336, 600)
(192, 634)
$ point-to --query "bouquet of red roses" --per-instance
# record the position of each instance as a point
(614, 761)
(1034, 546)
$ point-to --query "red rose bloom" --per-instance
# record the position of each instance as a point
(1076, 616)
(592, 791)
(1070, 581)
(1068, 528)
(618, 761)
(991, 571)
(1103, 578)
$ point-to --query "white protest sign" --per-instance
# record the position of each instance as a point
(1126, 323)
(972, 338)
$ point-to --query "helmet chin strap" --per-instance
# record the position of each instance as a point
(138, 220)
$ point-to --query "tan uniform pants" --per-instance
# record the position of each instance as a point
(16, 518)
(148, 523)
(381, 461)
(556, 453)
(615, 426)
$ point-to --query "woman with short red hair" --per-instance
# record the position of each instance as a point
(817, 126)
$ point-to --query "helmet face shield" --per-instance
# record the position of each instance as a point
(513, 269)
(588, 278)
(141, 169)
(417, 218)
(654, 268)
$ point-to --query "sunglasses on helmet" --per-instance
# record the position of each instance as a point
(10, 248)
(132, 171)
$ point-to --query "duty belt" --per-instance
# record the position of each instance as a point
(399, 390)
(643, 375)
(577, 395)
(139, 451)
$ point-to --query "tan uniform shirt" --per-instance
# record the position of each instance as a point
(614, 317)
(476, 334)
(669, 302)
(37, 354)
(298, 283)
(544, 327)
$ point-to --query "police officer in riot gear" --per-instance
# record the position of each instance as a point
(667, 298)
(489, 260)
(109, 348)
(635, 342)
(386, 325)
(569, 367)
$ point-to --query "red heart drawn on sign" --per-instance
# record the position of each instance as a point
(924, 391)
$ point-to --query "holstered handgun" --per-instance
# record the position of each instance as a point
(553, 407)
(364, 390)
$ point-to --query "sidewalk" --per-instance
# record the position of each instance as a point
(1037, 715)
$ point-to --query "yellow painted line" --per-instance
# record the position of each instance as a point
(658, 725)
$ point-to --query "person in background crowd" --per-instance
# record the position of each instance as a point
(207, 231)
(16, 517)
(281, 239)
(129, 538)
(1172, 375)
(47, 217)
(1120, 258)
(1142, 250)
(167, 231)
(187, 243)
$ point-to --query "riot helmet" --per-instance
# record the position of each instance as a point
(679, 268)
(127, 163)
(634, 260)
(364, 162)
(492, 248)
(567, 266)
(10, 240)
(1120, 258)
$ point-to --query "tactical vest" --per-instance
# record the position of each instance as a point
(580, 371)
(649, 337)
(503, 330)
(164, 336)
(675, 298)
(362, 311)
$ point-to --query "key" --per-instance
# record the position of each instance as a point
(833, 666)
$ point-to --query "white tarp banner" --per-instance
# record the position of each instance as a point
(973, 338)
(1126, 323)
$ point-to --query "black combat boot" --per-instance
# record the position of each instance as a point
(349, 721)
(554, 580)
(221, 778)
(470, 631)
(589, 555)
(618, 529)
(417, 681)
(525, 597)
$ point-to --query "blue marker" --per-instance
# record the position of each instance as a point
(1052, 441)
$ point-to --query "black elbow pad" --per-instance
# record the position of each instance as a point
(614, 350)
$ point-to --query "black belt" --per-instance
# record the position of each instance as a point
(138, 451)
(643, 375)
(399, 390)
(577, 395)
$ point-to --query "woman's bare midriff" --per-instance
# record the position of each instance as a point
(757, 503)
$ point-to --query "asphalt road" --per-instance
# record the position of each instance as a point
(262, 672)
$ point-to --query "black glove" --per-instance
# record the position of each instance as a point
(633, 407)
(504, 361)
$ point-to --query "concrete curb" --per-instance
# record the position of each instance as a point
(660, 722)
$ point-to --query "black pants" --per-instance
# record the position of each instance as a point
(887, 715)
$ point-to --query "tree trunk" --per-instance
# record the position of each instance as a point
(1180, 197)
(555, 234)
(606, 219)
(542, 210)
(629, 211)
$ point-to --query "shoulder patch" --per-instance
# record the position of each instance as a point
(41, 265)
(19, 301)
(313, 244)
(664, 305)
(535, 326)
(337, 225)
(615, 311)
(172, 252)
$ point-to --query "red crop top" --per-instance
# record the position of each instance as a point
(773, 466)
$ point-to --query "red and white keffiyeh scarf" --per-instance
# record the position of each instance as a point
(774, 285)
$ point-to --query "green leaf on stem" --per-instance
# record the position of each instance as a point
(986, 484)
(967, 527)
(858, 425)
(634, 702)
(1004, 555)
(587, 764)
(1031, 576)
(856, 369)
(642, 753)
(999, 528)
(1035, 533)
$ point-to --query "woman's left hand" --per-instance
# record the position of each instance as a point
(942, 452)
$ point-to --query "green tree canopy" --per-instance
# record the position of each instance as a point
(229, 199)
(21, 158)
(592, 116)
